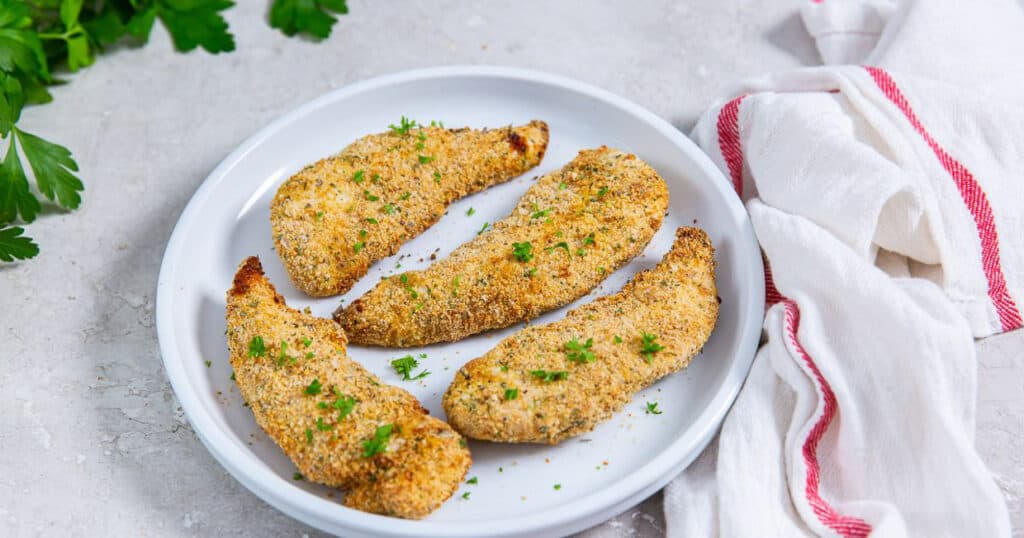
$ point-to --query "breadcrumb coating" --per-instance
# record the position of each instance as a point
(570, 230)
(338, 422)
(547, 383)
(334, 218)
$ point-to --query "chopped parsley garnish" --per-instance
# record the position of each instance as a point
(359, 176)
(511, 394)
(588, 240)
(256, 347)
(375, 178)
(405, 196)
(563, 245)
(470, 211)
(425, 159)
(522, 251)
(314, 388)
(319, 215)
(602, 191)
(309, 435)
(306, 341)
(472, 481)
(297, 476)
(323, 426)
(412, 292)
(530, 272)
(388, 209)
(371, 220)
(538, 214)
(362, 233)
(648, 346)
(344, 404)
(455, 285)
(406, 365)
(652, 408)
(617, 339)
(358, 247)
(310, 355)
(581, 252)
(465, 496)
(548, 377)
(577, 352)
(437, 176)
(403, 278)
(484, 227)
(562, 186)
(232, 376)
(370, 197)
(378, 444)
(404, 125)
(557, 487)
(283, 356)
(208, 363)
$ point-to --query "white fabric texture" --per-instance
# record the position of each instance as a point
(888, 198)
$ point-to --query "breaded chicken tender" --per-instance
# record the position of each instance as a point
(547, 383)
(333, 219)
(340, 425)
(569, 231)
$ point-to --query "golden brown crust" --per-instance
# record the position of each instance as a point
(676, 302)
(582, 222)
(385, 189)
(425, 460)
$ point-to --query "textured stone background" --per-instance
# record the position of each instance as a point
(92, 441)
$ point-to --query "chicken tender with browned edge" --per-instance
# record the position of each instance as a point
(340, 425)
(333, 219)
(547, 383)
(569, 231)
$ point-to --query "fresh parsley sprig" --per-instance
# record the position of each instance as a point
(39, 35)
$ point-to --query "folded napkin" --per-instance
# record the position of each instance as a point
(888, 198)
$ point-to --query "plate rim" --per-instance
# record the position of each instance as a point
(569, 517)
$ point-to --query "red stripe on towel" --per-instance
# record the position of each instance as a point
(844, 525)
(975, 200)
(729, 141)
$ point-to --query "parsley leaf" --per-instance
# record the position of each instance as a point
(511, 394)
(403, 127)
(313, 17)
(549, 376)
(15, 247)
(314, 388)
(652, 408)
(406, 365)
(378, 444)
(52, 165)
(15, 198)
(522, 251)
(344, 404)
(197, 23)
(648, 346)
(257, 347)
(577, 352)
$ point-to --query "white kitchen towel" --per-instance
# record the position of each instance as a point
(888, 198)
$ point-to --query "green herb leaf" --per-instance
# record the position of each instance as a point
(648, 346)
(483, 228)
(403, 127)
(652, 408)
(577, 352)
(256, 347)
(405, 365)
(297, 476)
(15, 197)
(378, 444)
(511, 394)
(549, 376)
(52, 165)
(197, 23)
(344, 404)
(522, 251)
(470, 211)
(314, 388)
(312, 17)
(562, 245)
(472, 481)
(425, 159)
(358, 176)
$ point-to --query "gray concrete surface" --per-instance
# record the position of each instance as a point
(92, 441)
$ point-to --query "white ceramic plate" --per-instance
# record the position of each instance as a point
(601, 473)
